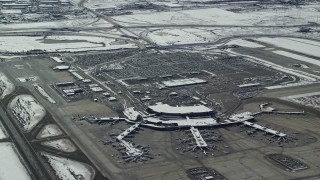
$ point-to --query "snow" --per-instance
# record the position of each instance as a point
(6, 87)
(70, 23)
(171, 5)
(67, 169)
(299, 45)
(11, 11)
(215, 16)
(300, 83)
(97, 89)
(3, 133)
(303, 95)
(189, 35)
(198, 16)
(28, 79)
(44, 93)
(180, 36)
(11, 166)
(62, 67)
(301, 74)
(305, 78)
(244, 43)
(307, 99)
(27, 111)
(249, 85)
(49, 130)
(58, 43)
(298, 57)
(64, 145)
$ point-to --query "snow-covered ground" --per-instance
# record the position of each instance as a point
(59, 43)
(35, 26)
(216, 16)
(299, 45)
(11, 166)
(64, 145)
(49, 130)
(307, 99)
(181, 36)
(28, 79)
(96, 4)
(44, 93)
(299, 83)
(27, 111)
(199, 16)
(3, 133)
(6, 86)
(244, 43)
(188, 35)
(67, 169)
(298, 57)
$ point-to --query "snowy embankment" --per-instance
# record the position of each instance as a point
(67, 43)
(307, 99)
(304, 46)
(27, 110)
(244, 43)
(3, 133)
(44, 93)
(11, 166)
(70, 169)
(64, 145)
(49, 130)
(6, 87)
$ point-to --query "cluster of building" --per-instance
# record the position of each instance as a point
(33, 11)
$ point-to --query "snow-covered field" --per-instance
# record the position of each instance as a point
(44, 93)
(34, 26)
(6, 86)
(59, 43)
(27, 111)
(64, 145)
(3, 133)
(11, 166)
(188, 35)
(300, 83)
(244, 43)
(198, 16)
(298, 57)
(67, 169)
(181, 36)
(49, 130)
(216, 16)
(95, 4)
(307, 99)
(299, 45)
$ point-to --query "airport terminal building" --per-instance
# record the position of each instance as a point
(190, 111)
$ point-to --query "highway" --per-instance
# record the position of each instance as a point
(70, 30)
(125, 31)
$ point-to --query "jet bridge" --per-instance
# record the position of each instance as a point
(197, 136)
(265, 129)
